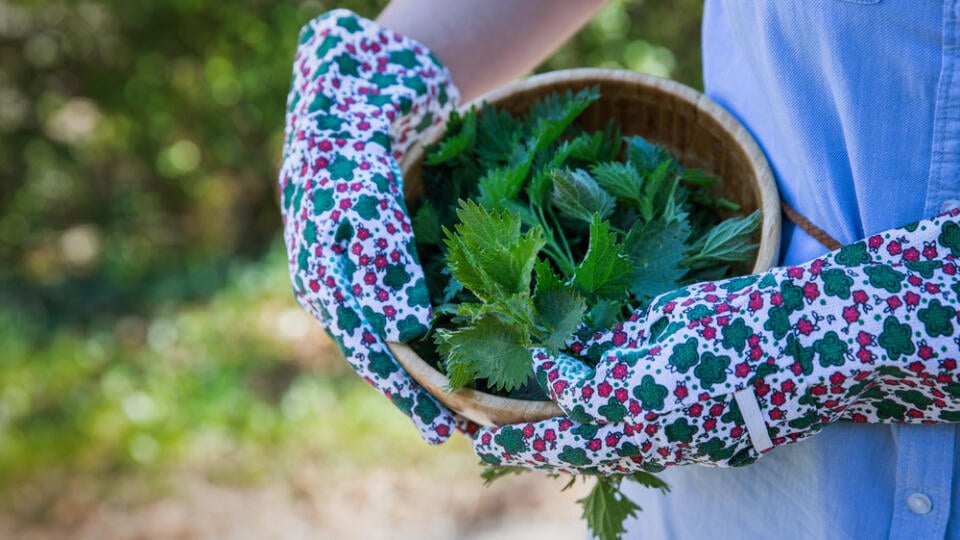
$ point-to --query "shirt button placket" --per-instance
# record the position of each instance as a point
(922, 497)
(944, 178)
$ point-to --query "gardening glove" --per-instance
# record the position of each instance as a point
(361, 95)
(719, 372)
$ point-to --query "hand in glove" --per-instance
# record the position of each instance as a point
(719, 372)
(361, 95)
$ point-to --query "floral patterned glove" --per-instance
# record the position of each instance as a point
(361, 95)
(719, 372)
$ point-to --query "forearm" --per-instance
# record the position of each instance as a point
(720, 372)
(486, 43)
(360, 95)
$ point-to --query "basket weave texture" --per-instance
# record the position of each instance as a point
(693, 128)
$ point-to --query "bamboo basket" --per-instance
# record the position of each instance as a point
(696, 130)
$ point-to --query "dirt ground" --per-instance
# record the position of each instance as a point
(395, 504)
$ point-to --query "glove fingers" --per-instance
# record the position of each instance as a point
(568, 382)
(600, 395)
(348, 325)
(371, 359)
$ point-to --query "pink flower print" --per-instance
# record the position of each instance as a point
(805, 327)
(810, 291)
(620, 371)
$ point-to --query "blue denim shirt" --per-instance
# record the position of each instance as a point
(857, 105)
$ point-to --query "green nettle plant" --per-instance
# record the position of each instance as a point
(535, 233)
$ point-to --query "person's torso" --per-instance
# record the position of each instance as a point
(856, 104)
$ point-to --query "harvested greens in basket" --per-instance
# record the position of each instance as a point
(532, 230)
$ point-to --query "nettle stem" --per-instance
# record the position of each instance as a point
(563, 240)
(559, 252)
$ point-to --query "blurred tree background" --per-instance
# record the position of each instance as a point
(145, 312)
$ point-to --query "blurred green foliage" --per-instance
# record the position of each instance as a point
(145, 313)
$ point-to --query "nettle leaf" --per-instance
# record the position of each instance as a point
(498, 133)
(606, 509)
(551, 116)
(459, 366)
(706, 199)
(500, 186)
(516, 309)
(646, 479)
(487, 253)
(578, 196)
(659, 190)
(452, 288)
(645, 156)
(560, 311)
(426, 224)
(655, 249)
(558, 156)
(539, 186)
(699, 177)
(605, 271)
(622, 180)
(491, 347)
(461, 133)
(728, 242)
(604, 313)
(597, 147)
(492, 474)
(547, 279)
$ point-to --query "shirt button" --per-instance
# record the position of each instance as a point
(918, 503)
